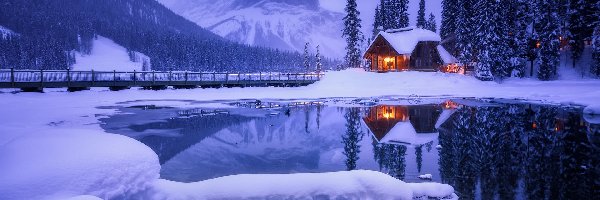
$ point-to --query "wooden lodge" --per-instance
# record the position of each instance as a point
(409, 49)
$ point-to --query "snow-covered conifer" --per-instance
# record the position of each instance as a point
(449, 15)
(306, 58)
(547, 28)
(318, 64)
(431, 25)
(493, 56)
(378, 23)
(353, 35)
(421, 22)
(595, 66)
(466, 44)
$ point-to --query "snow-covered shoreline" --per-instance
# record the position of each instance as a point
(29, 116)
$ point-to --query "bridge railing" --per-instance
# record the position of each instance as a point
(102, 76)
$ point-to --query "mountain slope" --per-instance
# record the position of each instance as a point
(52, 30)
(282, 24)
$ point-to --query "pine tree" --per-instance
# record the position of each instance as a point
(318, 64)
(492, 36)
(547, 28)
(421, 22)
(306, 58)
(431, 24)
(377, 24)
(518, 23)
(448, 26)
(394, 14)
(580, 16)
(595, 66)
(449, 15)
(466, 43)
(353, 35)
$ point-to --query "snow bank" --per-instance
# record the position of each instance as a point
(360, 184)
(65, 164)
(592, 109)
(107, 55)
(432, 191)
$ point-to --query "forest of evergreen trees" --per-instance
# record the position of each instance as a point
(499, 38)
(49, 31)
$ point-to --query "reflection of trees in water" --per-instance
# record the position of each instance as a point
(352, 137)
(496, 147)
(419, 157)
(391, 159)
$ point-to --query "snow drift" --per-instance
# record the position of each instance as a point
(66, 164)
(360, 184)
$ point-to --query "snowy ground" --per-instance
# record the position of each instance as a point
(52, 119)
(107, 55)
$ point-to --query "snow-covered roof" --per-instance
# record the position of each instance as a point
(444, 116)
(446, 57)
(404, 132)
(405, 40)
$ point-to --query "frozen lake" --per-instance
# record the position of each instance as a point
(485, 149)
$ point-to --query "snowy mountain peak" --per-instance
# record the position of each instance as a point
(281, 24)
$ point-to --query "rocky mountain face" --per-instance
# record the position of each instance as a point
(281, 24)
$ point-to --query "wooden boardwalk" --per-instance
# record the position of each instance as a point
(36, 80)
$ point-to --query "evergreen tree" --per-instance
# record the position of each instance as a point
(421, 22)
(352, 34)
(419, 157)
(306, 58)
(577, 28)
(378, 23)
(595, 65)
(394, 14)
(318, 64)
(492, 36)
(448, 27)
(519, 44)
(466, 44)
(431, 24)
(547, 28)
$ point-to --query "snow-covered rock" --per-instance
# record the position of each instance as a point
(60, 165)
(425, 176)
(106, 55)
(359, 184)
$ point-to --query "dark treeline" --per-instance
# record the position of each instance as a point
(499, 38)
(519, 152)
(48, 32)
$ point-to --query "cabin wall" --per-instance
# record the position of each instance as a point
(425, 57)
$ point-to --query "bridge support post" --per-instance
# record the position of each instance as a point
(134, 77)
(93, 77)
(68, 77)
(114, 77)
(12, 77)
(41, 78)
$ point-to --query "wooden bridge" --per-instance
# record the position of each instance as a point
(36, 80)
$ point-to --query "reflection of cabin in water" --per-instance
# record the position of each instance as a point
(409, 49)
(405, 124)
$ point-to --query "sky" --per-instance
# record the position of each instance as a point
(367, 10)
